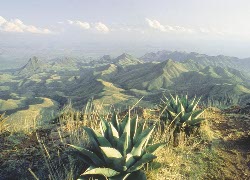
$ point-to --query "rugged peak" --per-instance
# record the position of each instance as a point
(170, 65)
(32, 63)
(34, 59)
(126, 59)
(167, 63)
(32, 66)
(105, 58)
(125, 55)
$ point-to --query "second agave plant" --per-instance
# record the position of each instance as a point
(120, 149)
(181, 115)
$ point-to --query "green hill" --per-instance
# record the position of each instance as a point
(118, 80)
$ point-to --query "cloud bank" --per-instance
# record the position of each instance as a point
(100, 27)
(16, 25)
(167, 28)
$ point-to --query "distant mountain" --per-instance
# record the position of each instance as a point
(126, 60)
(64, 62)
(105, 59)
(164, 55)
(183, 56)
(33, 66)
(201, 59)
(114, 80)
(151, 76)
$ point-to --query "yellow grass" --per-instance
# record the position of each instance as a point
(25, 120)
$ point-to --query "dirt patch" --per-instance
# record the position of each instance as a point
(233, 144)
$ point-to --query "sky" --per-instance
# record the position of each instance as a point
(134, 26)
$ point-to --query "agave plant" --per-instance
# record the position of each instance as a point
(181, 114)
(120, 150)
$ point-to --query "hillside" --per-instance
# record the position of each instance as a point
(126, 60)
(221, 150)
(150, 76)
(69, 79)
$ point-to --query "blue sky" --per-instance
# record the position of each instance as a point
(213, 27)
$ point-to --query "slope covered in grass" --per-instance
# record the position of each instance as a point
(219, 151)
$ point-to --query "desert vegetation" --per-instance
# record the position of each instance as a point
(109, 144)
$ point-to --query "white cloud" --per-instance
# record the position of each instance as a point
(101, 27)
(70, 22)
(204, 30)
(84, 25)
(213, 30)
(2, 20)
(17, 25)
(156, 25)
(11, 27)
(167, 28)
(180, 29)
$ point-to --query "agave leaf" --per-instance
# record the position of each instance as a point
(162, 101)
(127, 122)
(113, 135)
(173, 100)
(104, 128)
(138, 133)
(92, 136)
(114, 131)
(165, 97)
(111, 152)
(96, 160)
(114, 158)
(115, 121)
(196, 104)
(153, 148)
(124, 122)
(170, 108)
(186, 117)
(120, 177)
(182, 109)
(139, 164)
(133, 126)
(172, 113)
(195, 122)
(102, 140)
(97, 137)
(130, 160)
(197, 114)
(193, 104)
(124, 144)
(142, 142)
(107, 172)
(121, 143)
(137, 175)
(185, 102)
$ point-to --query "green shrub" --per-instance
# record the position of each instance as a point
(120, 150)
